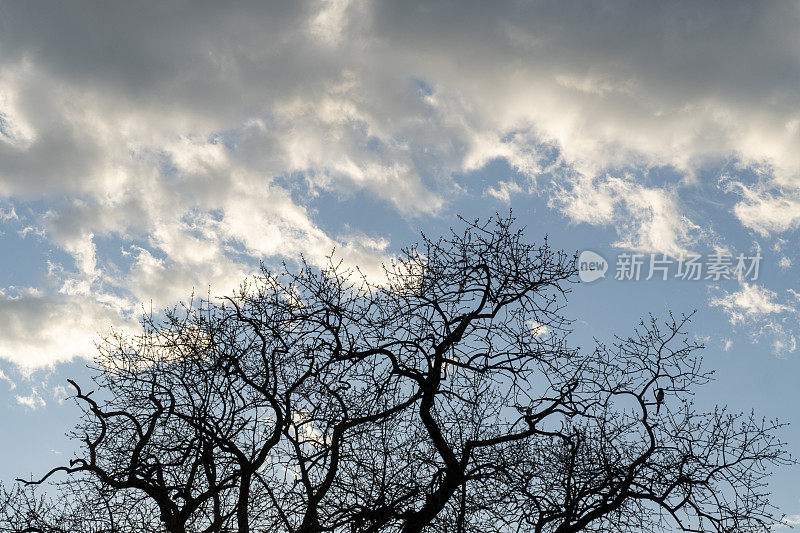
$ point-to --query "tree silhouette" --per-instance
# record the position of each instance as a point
(445, 397)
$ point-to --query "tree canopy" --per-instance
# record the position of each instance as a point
(445, 397)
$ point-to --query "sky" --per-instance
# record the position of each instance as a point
(151, 151)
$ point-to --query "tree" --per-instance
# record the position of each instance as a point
(445, 398)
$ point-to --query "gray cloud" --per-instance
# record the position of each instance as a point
(182, 129)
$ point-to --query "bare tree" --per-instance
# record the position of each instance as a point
(446, 397)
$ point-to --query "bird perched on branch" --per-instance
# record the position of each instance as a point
(659, 399)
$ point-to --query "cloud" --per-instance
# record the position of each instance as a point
(60, 393)
(787, 522)
(763, 316)
(646, 218)
(767, 212)
(32, 401)
(751, 301)
(727, 344)
(11, 384)
(172, 146)
(39, 329)
(505, 189)
(538, 330)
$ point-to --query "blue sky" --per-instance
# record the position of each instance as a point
(146, 153)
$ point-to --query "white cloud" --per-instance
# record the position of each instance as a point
(727, 345)
(14, 128)
(751, 301)
(7, 215)
(788, 522)
(505, 189)
(328, 23)
(11, 384)
(530, 68)
(762, 315)
(39, 329)
(767, 212)
(647, 219)
(195, 138)
(60, 393)
(32, 401)
(538, 330)
(782, 342)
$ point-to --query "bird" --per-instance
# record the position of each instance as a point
(659, 399)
